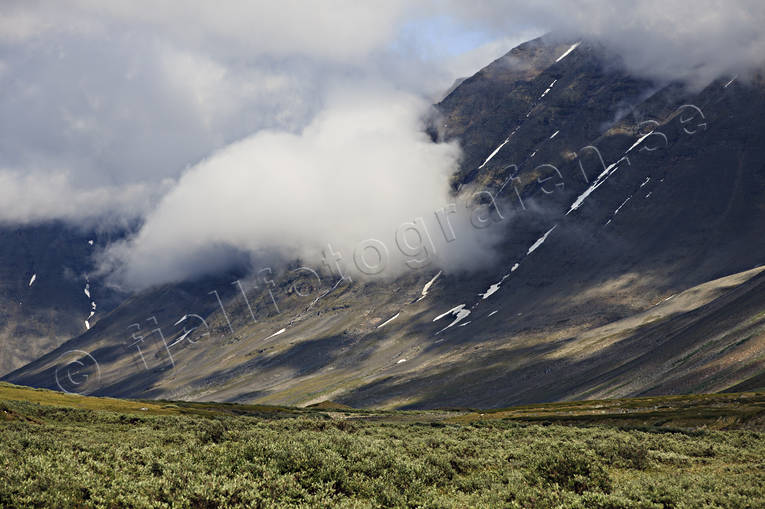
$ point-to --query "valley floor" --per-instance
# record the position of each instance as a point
(60, 450)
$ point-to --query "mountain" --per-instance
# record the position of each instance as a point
(44, 277)
(630, 264)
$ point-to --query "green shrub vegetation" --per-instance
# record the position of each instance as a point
(57, 456)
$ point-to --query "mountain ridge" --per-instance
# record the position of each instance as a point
(693, 179)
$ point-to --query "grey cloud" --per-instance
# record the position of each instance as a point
(203, 119)
(359, 171)
(694, 41)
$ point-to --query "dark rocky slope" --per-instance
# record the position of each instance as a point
(646, 282)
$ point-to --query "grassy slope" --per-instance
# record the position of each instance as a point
(64, 450)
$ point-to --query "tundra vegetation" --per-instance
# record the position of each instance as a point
(59, 450)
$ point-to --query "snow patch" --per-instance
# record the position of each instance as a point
(547, 91)
(400, 361)
(493, 288)
(427, 286)
(32, 281)
(665, 300)
(554, 134)
(572, 48)
(541, 240)
(490, 291)
(622, 205)
(326, 293)
(389, 320)
(86, 290)
(460, 313)
(451, 311)
(280, 331)
(731, 81)
(639, 141)
(598, 182)
(494, 153)
(493, 312)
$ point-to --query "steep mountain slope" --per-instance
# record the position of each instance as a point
(43, 279)
(632, 215)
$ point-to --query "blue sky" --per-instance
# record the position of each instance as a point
(445, 34)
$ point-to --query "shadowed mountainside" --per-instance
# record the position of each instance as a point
(43, 276)
(632, 216)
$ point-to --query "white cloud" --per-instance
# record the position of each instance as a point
(684, 40)
(335, 29)
(47, 196)
(104, 103)
(361, 169)
(468, 63)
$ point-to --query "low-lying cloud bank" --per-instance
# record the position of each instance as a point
(694, 41)
(29, 198)
(264, 127)
(362, 178)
